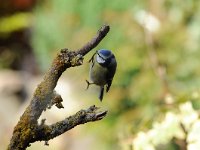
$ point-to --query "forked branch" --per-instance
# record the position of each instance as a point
(28, 130)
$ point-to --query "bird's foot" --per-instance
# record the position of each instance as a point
(88, 84)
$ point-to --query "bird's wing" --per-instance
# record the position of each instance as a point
(109, 83)
(112, 70)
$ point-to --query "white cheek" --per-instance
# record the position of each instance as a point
(100, 60)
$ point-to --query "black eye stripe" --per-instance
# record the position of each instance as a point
(100, 56)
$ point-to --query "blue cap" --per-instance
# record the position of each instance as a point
(104, 52)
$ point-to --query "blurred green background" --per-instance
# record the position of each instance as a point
(156, 44)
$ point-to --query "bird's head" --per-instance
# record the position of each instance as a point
(104, 56)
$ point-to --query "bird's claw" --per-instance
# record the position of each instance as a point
(88, 84)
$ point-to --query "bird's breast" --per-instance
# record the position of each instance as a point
(98, 74)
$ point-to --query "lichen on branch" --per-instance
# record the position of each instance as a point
(28, 129)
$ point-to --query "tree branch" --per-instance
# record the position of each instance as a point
(25, 131)
(95, 41)
(45, 132)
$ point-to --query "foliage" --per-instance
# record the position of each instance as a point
(182, 125)
(156, 44)
(14, 22)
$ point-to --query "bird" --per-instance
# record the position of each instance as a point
(103, 66)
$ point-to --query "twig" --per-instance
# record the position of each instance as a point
(26, 130)
(182, 143)
(95, 41)
(46, 132)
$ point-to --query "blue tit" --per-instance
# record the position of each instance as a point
(102, 70)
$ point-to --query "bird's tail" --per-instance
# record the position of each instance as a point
(101, 94)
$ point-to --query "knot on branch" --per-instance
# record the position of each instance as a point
(56, 100)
